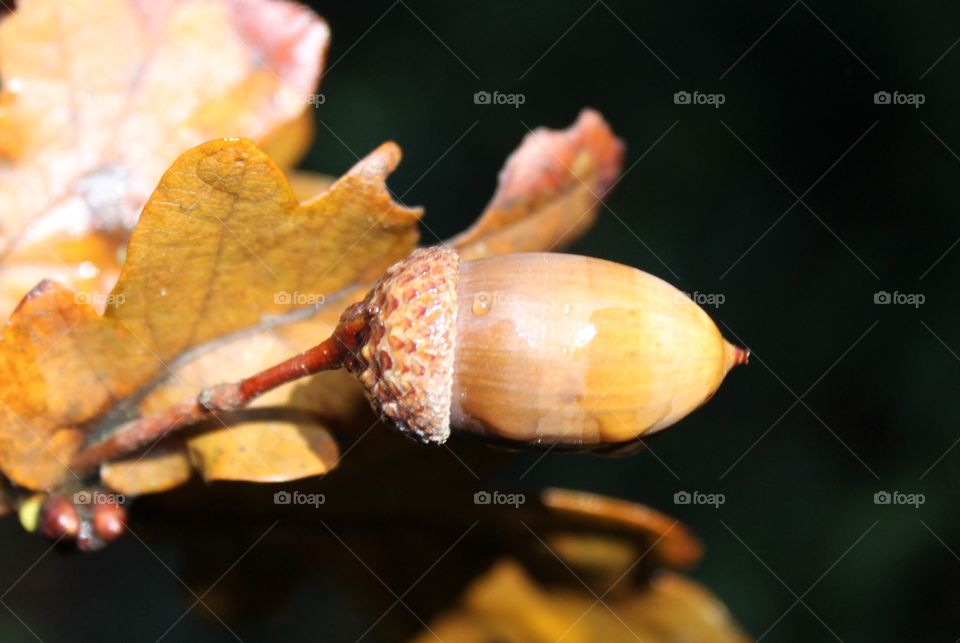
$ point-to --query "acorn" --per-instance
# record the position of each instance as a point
(535, 349)
(528, 349)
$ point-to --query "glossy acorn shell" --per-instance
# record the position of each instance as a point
(570, 350)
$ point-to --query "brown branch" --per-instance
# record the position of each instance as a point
(330, 354)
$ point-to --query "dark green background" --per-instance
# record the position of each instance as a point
(878, 383)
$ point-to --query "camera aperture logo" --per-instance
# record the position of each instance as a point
(499, 98)
(899, 98)
(98, 498)
(297, 298)
(699, 498)
(699, 98)
(897, 298)
(299, 498)
(484, 301)
(715, 299)
(499, 498)
(99, 299)
(899, 498)
(296, 99)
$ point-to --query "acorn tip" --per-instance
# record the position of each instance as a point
(741, 356)
(735, 356)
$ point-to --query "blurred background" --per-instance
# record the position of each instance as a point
(797, 207)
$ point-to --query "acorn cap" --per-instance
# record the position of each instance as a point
(406, 361)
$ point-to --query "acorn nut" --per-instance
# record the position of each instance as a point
(540, 349)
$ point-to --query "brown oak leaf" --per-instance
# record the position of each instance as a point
(99, 99)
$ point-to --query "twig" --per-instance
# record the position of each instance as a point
(330, 354)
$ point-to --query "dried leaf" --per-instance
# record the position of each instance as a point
(221, 245)
(507, 605)
(549, 190)
(99, 99)
(224, 242)
(163, 468)
(674, 545)
(61, 365)
(265, 452)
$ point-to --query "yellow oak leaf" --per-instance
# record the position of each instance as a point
(223, 247)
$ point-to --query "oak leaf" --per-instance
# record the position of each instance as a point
(99, 99)
(220, 248)
(548, 191)
(613, 579)
(506, 604)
